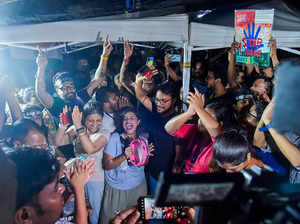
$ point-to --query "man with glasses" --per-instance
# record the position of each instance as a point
(157, 115)
(66, 92)
(27, 133)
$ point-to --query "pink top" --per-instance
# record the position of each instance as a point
(200, 150)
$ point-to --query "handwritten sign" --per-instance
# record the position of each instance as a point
(253, 30)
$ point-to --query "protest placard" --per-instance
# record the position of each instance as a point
(253, 30)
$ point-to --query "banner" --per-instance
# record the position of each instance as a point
(253, 30)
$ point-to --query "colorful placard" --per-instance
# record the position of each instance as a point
(253, 30)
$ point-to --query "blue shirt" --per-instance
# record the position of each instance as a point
(124, 177)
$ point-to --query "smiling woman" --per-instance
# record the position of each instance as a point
(89, 140)
(125, 183)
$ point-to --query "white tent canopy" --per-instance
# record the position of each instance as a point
(214, 36)
(173, 28)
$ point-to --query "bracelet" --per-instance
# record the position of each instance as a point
(104, 58)
(79, 130)
(265, 128)
(125, 156)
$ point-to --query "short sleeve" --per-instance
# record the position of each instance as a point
(57, 107)
(112, 145)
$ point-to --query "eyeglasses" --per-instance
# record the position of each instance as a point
(31, 114)
(162, 101)
(67, 88)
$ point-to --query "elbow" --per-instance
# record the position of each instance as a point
(169, 129)
(295, 163)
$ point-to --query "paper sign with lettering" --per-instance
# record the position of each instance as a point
(253, 30)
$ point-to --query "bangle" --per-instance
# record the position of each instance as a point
(104, 58)
(265, 128)
(79, 130)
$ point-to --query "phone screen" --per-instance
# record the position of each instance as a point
(174, 57)
(151, 212)
(147, 72)
(150, 61)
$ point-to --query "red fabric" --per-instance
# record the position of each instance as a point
(200, 152)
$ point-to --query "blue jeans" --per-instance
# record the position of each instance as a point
(94, 192)
(152, 183)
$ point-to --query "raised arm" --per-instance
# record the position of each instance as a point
(40, 85)
(273, 53)
(231, 71)
(128, 50)
(259, 139)
(78, 176)
(2, 107)
(170, 71)
(11, 100)
(197, 101)
(176, 122)
(107, 49)
(61, 137)
(140, 93)
(288, 149)
(89, 146)
(100, 78)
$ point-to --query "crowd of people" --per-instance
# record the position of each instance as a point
(67, 155)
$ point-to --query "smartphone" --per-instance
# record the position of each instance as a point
(147, 72)
(150, 212)
(150, 62)
(175, 57)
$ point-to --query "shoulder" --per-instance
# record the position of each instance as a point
(115, 137)
(101, 132)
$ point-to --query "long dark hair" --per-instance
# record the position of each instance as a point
(231, 147)
(119, 118)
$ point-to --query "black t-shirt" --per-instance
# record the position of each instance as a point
(227, 99)
(164, 151)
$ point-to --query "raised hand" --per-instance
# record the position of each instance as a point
(197, 100)
(139, 78)
(107, 47)
(77, 117)
(41, 59)
(128, 50)
(81, 172)
(167, 60)
(150, 149)
(231, 52)
(124, 102)
(64, 120)
(273, 47)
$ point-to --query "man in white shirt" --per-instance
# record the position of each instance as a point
(108, 99)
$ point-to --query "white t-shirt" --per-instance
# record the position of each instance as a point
(98, 156)
(108, 122)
